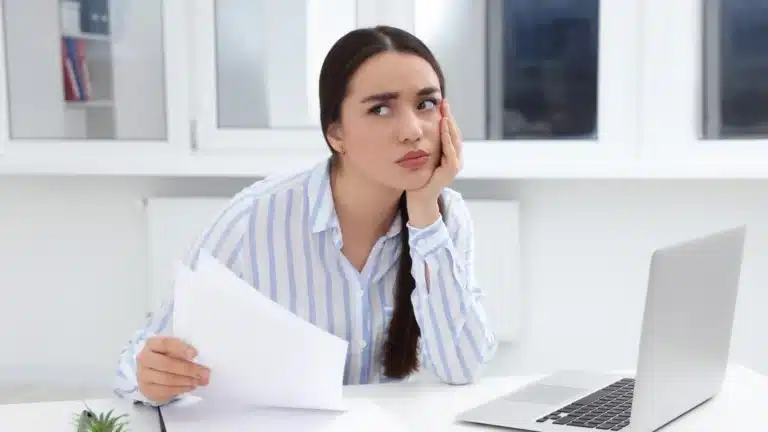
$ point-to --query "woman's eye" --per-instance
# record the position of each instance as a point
(379, 110)
(428, 104)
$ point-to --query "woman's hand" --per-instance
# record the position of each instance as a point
(166, 370)
(422, 203)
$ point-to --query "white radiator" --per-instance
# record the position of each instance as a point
(174, 223)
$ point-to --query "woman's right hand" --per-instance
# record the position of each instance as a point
(166, 370)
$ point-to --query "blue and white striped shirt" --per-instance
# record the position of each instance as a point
(282, 236)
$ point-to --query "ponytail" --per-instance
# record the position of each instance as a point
(400, 351)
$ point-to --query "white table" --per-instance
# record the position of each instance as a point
(428, 406)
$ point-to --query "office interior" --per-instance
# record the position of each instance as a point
(595, 132)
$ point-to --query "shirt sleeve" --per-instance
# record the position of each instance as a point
(224, 240)
(456, 341)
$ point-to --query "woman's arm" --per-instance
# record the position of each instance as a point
(126, 384)
(456, 341)
(224, 240)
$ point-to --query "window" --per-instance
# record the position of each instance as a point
(705, 84)
(85, 69)
(549, 70)
(735, 65)
(257, 69)
(538, 81)
(268, 58)
(525, 69)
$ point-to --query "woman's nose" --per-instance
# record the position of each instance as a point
(410, 127)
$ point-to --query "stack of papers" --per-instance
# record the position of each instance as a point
(260, 354)
(196, 415)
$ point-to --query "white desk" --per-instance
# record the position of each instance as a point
(429, 406)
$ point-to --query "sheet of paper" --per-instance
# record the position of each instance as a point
(260, 354)
(195, 415)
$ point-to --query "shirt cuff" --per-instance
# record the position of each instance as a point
(425, 240)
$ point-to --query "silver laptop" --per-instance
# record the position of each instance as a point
(683, 352)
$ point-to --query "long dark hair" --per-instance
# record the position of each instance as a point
(400, 351)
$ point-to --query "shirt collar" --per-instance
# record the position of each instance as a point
(323, 214)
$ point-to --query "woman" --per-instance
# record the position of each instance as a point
(369, 245)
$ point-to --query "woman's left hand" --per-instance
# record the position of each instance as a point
(424, 201)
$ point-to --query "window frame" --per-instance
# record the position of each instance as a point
(672, 118)
(618, 93)
(297, 146)
(617, 144)
(58, 155)
(618, 90)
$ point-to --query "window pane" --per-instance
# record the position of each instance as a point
(455, 31)
(549, 64)
(87, 69)
(268, 58)
(735, 69)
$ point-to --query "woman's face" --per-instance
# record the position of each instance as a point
(390, 112)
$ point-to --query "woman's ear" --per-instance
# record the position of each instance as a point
(336, 137)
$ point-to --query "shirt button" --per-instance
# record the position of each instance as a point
(363, 344)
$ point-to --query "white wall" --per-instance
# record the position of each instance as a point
(174, 223)
(73, 273)
(586, 250)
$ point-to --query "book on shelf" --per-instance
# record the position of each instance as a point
(77, 83)
(94, 16)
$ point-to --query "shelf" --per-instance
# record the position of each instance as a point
(168, 164)
(89, 104)
(88, 37)
(112, 163)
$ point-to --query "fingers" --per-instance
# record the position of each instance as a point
(450, 158)
(452, 127)
(451, 131)
(171, 346)
(163, 373)
(166, 364)
(155, 377)
(446, 140)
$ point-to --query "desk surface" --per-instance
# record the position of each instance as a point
(425, 405)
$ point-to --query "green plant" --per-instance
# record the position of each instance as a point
(89, 421)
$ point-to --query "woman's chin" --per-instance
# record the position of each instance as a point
(412, 180)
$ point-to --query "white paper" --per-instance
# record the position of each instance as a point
(260, 354)
(196, 415)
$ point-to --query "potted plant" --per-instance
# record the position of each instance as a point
(89, 421)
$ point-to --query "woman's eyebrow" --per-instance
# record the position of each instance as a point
(385, 96)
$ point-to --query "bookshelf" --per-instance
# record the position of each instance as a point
(87, 66)
(83, 83)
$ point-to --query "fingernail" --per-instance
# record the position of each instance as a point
(191, 353)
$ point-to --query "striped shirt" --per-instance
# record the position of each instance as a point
(282, 236)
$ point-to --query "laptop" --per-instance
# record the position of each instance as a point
(682, 357)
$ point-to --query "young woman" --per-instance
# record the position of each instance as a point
(369, 245)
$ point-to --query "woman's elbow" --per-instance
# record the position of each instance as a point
(472, 370)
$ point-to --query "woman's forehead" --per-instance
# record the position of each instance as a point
(393, 72)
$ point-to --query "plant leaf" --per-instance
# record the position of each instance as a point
(89, 421)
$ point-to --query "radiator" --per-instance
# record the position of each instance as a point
(174, 223)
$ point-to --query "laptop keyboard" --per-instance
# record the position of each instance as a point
(606, 409)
